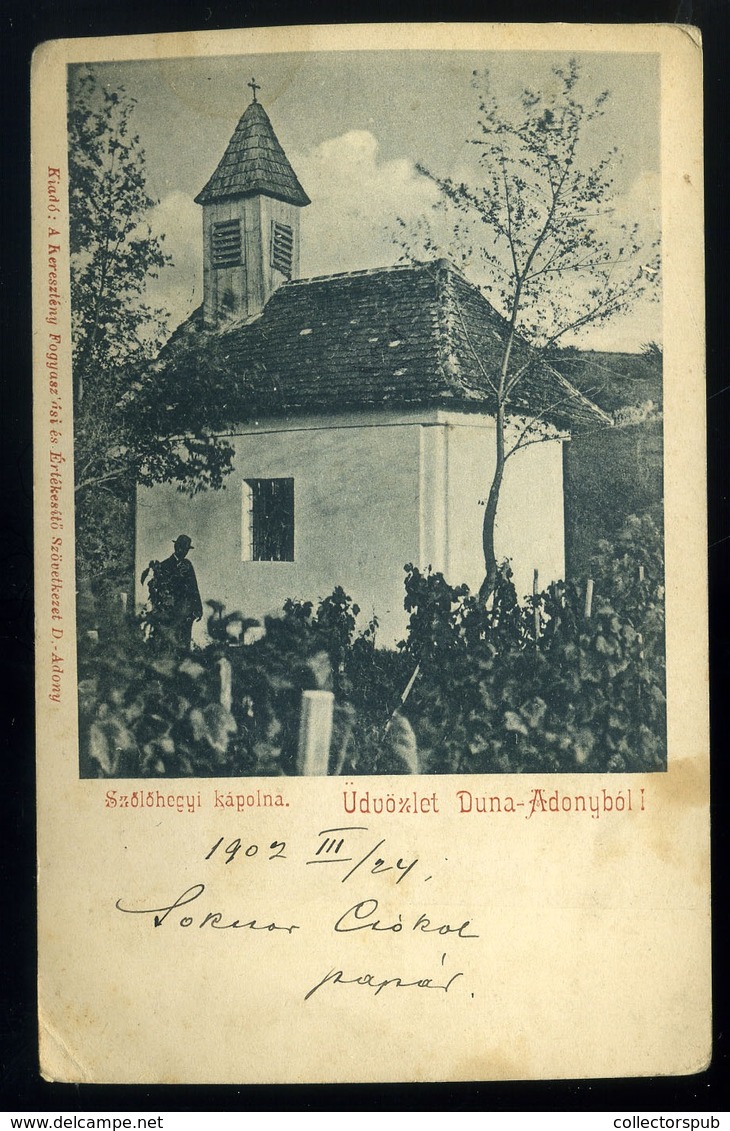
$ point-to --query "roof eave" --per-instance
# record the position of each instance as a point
(205, 197)
(573, 394)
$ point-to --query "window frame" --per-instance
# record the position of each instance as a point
(268, 500)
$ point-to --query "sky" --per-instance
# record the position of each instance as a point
(354, 125)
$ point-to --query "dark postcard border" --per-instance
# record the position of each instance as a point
(24, 26)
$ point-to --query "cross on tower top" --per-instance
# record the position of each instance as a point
(254, 87)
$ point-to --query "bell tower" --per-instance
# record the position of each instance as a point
(251, 210)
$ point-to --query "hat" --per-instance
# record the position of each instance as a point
(184, 541)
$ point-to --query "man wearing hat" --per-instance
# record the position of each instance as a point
(174, 595)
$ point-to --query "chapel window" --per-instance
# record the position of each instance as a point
(268, 520)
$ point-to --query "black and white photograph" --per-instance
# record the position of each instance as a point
(367, 363)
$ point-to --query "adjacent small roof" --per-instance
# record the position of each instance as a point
(614, 381)
(416, 334)
(254, 162)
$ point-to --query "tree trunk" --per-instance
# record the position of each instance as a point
(490, 513)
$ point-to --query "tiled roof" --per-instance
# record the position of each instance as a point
(254, 162)
(614, 380)
(411, 335)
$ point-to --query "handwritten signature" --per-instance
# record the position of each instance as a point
(361, 918)
(337, 977)
(211, 919)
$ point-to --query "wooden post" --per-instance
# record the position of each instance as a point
(315, 732)
(404, 696)
(589, 598)
(226, 695)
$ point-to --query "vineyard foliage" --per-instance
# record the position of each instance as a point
(547, 685)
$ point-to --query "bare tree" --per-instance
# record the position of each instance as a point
(542, 227)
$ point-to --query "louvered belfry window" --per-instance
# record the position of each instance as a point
(282, 247)
(268, 520)
(227, 243)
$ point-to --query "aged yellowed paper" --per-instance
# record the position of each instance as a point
(312, 305)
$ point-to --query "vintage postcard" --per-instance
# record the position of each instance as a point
(370, 570)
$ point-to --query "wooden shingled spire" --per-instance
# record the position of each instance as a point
(251, 207)
(254, 163)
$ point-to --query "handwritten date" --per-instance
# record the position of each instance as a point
(339, 846)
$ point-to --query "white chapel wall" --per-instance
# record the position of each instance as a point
(530, 524)
(371, 493)
(356, 519)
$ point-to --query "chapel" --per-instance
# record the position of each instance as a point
(366, 435)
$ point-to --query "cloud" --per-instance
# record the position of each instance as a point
(179, 288)
(641, 204)
(643, 323)
(357, 198)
